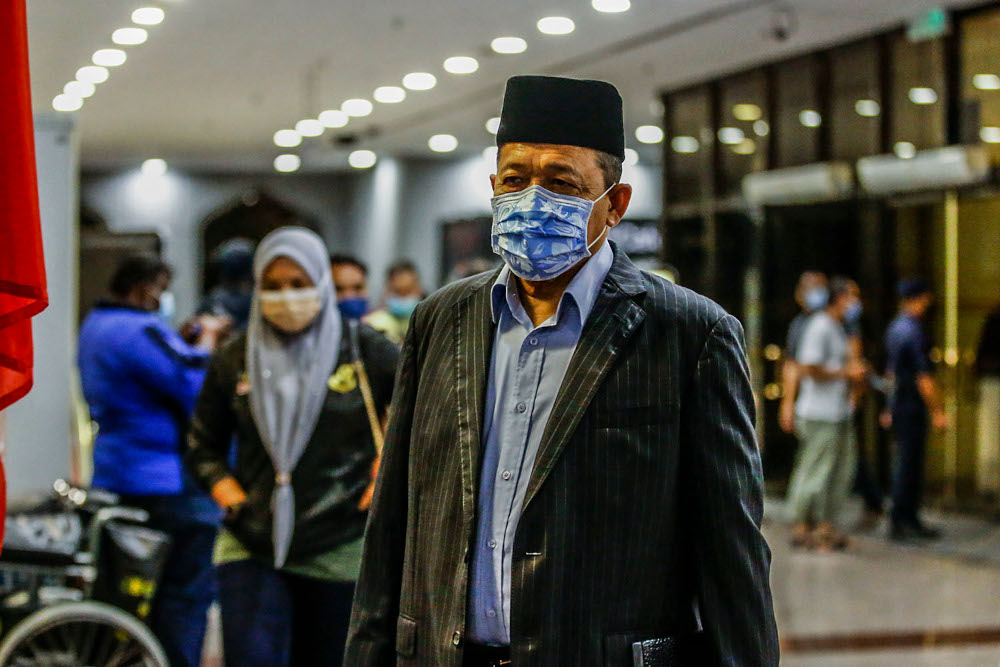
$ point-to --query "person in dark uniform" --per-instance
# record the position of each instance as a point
(915, 405)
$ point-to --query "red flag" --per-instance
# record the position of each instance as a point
(22, 270)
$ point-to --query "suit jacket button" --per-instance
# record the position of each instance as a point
(456, 638)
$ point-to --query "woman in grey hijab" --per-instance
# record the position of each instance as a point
(292, 394)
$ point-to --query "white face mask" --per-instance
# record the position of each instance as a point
(290, 310)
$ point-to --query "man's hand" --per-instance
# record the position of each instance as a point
(940, 420)
(786, 416)
(856, 372)
(228, 494)
(213, 329)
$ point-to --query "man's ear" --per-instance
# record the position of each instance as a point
(620, 196)
(493, 182)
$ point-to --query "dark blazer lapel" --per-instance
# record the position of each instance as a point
(614, 318)
(473, 346)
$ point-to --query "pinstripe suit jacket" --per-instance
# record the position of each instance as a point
(642, 514)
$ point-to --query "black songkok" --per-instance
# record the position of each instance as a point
(557, 110)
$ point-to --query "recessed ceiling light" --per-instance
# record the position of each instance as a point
(442, 143)
(334, 118)
(810, 118)
(867, 108)
(79, 89)
(611, 6)
(108, 57)
(921, 95)
(287, 138)
(461, 65)
(761, 128)
(631, 157)
(154, 166)
(509, 45)
(92, 74)
(309, 127)
(362, 159)
(904, 150)
(990, 134)
(129, 36)
(493, 124)
(684, 144)
(64, 102)
(649, 134)
(148, 16)
(731, 135)
(419, 80)
(747, 112)
(356, 107)
(556, 25)
(287, 162)
(490, 155)
(389, 94)
(986, 81)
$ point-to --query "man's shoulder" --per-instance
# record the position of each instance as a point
(456, 292)
(680, 306)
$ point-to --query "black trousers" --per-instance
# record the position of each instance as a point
(910, 428)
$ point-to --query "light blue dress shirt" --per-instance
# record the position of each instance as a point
(526, 372)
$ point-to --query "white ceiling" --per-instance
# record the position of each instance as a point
(218, 77)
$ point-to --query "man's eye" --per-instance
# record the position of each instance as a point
(512, 180)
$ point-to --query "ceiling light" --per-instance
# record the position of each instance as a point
(986, 81)
(109, 57)
(649, 134)
(389, 94)
(747, 112)
(761, 128)
(509, 45)
(611, 6)
(631, 157)
(461, 65)
(746, 147)
(129, 36)
(92, 74)
(154, 166)
(287, 138)
(490, 155)
(419, 81)
(731, 135)
(148, 16)
(334, 118)
(287, 162)
(356, 107)
(442, 143)
(684, 144)
(79, 89)
(923, 95)
(904, 150)
(493, 124)
(64, 102)
(990, 134)
(556, 25)
(810, 118)
(867, 108)
(309, 127)
(362, 159)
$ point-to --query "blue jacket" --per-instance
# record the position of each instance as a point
(140, 380)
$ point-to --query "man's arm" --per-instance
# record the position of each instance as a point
(371, 640)
(723, 468)
(928, 389)
(790, 374)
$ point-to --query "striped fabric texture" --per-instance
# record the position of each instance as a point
(642, 515)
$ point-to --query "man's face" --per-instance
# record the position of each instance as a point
(565, 170)
(405, 284)
(350, 282)
(807, 282)
(151, 292)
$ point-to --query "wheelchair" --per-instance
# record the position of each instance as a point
(78, 573)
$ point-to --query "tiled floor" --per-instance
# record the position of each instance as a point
(890, 594)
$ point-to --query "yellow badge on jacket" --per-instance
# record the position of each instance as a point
(343, 381)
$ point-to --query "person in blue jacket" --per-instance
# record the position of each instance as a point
(140, 380)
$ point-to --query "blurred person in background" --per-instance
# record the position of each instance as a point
(350, 280)
(291, 393)
(915, 405)
(812, 294)
(140, 380)
(402, 294)
(825, 463)
(988, 371)
(231, 297)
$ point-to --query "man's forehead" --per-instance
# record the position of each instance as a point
(549, 155)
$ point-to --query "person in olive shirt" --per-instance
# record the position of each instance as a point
(296, 491)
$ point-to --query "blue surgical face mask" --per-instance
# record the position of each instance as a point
(168, 306)
(401, 307)
(541, 234)
(816, 298)
(353, 309)
(853, 313)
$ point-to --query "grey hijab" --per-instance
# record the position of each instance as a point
(289, 373)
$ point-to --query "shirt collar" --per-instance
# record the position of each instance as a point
(583, 289)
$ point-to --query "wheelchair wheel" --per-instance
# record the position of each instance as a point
(80, 634)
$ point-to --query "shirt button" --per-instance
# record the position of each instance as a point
(521, 407)
(456, 638)
(505, 474)
(533, 341)
(491, 613)
(492, 544)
